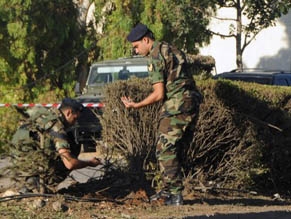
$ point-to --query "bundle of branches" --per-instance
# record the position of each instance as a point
(220, 137)
(240, 137)
(130, 132)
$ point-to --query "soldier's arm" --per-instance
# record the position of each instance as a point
(73, 163)
(157, 95)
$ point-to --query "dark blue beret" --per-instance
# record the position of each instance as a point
(72, 103)
(137, 32)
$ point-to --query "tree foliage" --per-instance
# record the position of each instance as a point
(40, 39)
(38, 42)
(182, 23)
(36, 38)
(260, 14)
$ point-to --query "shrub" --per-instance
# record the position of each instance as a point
(242, 138)
(130, 132)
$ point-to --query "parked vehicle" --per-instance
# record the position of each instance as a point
(270, 77)
(88, 128)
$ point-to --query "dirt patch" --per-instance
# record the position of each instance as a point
(135, 205)
(126, 199)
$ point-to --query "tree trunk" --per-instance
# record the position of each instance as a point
(239, 62)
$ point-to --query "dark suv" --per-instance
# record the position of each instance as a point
(88, 128)
(271, 77)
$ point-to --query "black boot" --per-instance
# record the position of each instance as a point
(174, 200)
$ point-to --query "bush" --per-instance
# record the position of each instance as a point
(241, 139)
(130, 132)
(201, 66)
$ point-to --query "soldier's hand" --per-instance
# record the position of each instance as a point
(95, 162)
(99, 161)
(127, 101)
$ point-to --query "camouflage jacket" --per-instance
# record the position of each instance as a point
(47, 122)
(167, 64)
(36, 143)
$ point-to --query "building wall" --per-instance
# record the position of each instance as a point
(271, 49)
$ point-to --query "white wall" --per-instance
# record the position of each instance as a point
(271, 49)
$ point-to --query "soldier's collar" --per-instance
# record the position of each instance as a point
(155, 44)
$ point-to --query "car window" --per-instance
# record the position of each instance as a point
(281, 82)
(106, 74)
(137, 68)
(123, 74)
(109, 69)
(251, 79)
(100, 74)
(140, 71)
(259, 80)
(102, 78)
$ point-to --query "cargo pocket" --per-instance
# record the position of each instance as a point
(191, 103)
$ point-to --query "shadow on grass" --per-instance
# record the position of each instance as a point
(265, 215)
(238, 201)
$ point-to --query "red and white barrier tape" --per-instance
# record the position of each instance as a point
(48, 105)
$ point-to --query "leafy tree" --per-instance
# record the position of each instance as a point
(182, 23)
(260, 14)
(117, 18)
(38, 43)
(38, 39)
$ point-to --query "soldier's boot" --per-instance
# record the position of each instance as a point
(174, 200)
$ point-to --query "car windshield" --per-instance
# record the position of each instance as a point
(107, 74)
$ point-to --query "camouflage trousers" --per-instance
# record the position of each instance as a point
(175, 135)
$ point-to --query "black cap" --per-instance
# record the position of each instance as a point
(137, 32)
(72, 103)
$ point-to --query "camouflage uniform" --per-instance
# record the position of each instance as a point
(37, 143)
(179, 112)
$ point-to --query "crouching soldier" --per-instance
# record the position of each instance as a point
(43, 154)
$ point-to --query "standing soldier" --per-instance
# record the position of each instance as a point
(173, 85)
